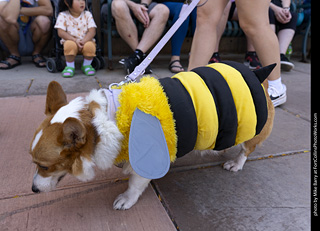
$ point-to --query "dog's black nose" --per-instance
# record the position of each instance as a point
(35, 189)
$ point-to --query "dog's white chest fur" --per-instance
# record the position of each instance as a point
(110, 137)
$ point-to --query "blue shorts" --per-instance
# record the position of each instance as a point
(25, 45)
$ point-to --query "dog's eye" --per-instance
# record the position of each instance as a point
(43, 167)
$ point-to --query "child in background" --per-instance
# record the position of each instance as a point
(77, 29)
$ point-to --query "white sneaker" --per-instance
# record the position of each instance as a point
(278, 97)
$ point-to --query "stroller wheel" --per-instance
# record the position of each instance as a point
(95, 63)
(51, 65)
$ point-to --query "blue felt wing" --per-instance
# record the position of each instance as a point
(148, 150)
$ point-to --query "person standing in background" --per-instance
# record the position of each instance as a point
(254, 21)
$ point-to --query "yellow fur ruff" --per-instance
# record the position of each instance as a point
(149, 97)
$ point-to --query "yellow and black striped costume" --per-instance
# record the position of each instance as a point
(212, 107)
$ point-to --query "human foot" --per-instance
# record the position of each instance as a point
(177, 67)
(10, 62)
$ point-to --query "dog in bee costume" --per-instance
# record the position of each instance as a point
(209, 108)
(147, 125)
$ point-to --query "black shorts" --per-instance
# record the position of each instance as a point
(290, 25)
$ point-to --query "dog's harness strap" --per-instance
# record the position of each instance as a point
(113, 103)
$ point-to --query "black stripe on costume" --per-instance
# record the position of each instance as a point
(257, 92)
(184, 114)
(226, 109)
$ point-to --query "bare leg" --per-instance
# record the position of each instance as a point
(70, 58)
(254, 21)
(40, 33)
(205, 37)
(250, 46)
(9, 35)
(124, 23)
(40, 28)
(158, 19)
(222, 25)
(285, 37)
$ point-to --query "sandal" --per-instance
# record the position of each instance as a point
(68, 72)
(40, 61)
(171, 66)
(9, 65)
(88, 70)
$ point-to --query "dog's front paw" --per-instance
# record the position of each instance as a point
(232, 166)
(124, 201)
(236, 164)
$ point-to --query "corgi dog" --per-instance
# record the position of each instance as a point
(208, 109)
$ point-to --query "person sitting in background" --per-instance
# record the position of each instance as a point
(175, 7)
(77, 29)
(153, 16)
(282, 18)
(25, 28)
(251, 57)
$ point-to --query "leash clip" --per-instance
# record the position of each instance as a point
(123, 82)
(127, 80)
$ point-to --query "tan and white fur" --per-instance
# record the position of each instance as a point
(77, 136)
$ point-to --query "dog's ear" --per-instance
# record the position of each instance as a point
(74, 133)
(264, 72)
(56, 98)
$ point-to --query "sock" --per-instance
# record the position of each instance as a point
(70, 64)
(87, 62)
(277, 84)
(139, 53)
